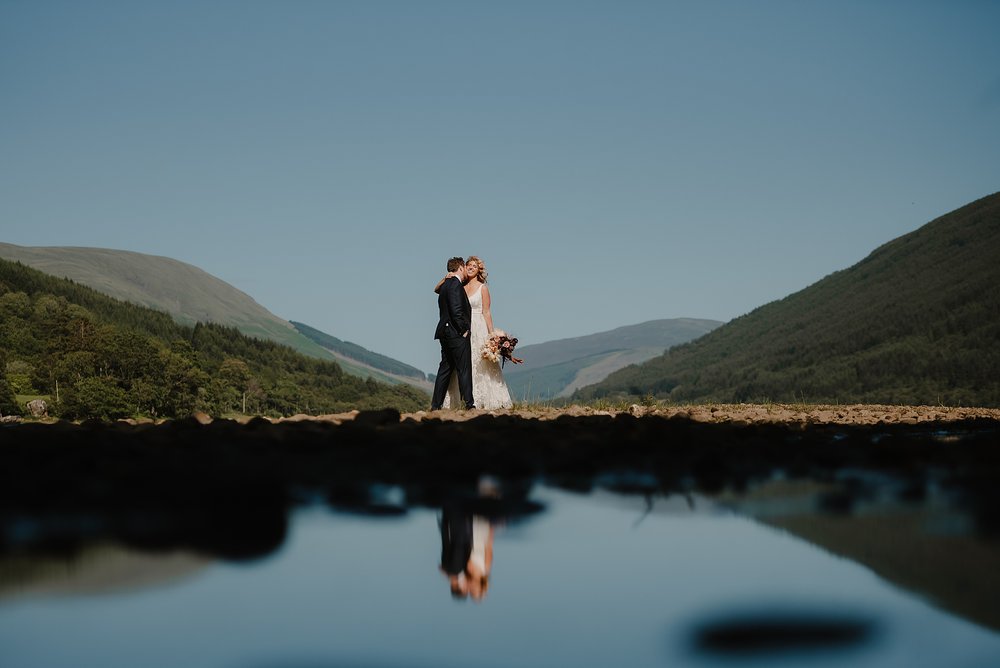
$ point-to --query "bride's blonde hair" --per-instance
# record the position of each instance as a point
(482, 268)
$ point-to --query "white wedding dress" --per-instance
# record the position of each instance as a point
(489, 391)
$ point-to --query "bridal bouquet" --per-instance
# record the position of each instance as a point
(500, 346)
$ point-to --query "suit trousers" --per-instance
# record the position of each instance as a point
(456, 356)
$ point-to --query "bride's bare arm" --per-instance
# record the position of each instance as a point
(437, 288)
(486, 309)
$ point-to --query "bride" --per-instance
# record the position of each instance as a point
(489, 391)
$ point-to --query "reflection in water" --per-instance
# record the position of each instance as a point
(768, 632)
(594, 581)
(924, 545)
(466, 552)
(95, 569)
(686, 586)
(467, 545)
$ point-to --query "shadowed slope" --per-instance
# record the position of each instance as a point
(915, 322)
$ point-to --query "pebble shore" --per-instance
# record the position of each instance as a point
(735, 414)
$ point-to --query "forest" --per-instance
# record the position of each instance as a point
(356, 352)
(91, 356)
(916, 322)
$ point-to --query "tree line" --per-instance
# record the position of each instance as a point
(354, 351)
(94, 356)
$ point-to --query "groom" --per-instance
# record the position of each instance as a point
(453, 333)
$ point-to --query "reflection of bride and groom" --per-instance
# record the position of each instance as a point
(464, 325)
(467, 527)
(466, 551)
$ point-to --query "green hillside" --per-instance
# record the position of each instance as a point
(356, 352)
(94, 356)
(557, 368)
(916, 322)
(186, 292)
(191, 295)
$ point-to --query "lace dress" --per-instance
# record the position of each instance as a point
(489, 391)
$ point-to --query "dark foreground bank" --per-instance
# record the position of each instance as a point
(184, 483)
(874, 493)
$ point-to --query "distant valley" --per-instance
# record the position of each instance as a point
(915, 322)
(189, 295)
(556, 369)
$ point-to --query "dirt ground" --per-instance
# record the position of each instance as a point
(804, 414)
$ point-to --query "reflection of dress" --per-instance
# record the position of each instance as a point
(489, 390)
(480, 538)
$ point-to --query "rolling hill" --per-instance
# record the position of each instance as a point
(192, 295)
(90, 355)
(915, 322)
(556, 368)
(184, 291)
(363, 362)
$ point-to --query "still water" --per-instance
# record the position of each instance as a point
(593, 580)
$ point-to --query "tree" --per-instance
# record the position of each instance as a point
(16, 304)
(8, 403)
(48, 311)
(75, 366)
(127, 355)
(19, 375)
(95, 397)
(235, 373)
(180, 381)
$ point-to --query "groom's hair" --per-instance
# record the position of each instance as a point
(454, 263)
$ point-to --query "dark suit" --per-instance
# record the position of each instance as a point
(454, 320)
(456, 539)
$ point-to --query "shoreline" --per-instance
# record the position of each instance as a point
(711, 413)
(732, 414)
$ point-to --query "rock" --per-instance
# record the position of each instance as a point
(378, 417)
(298, 417)
(201, 418)
(38, 408)
(10, 419)
(338, 418)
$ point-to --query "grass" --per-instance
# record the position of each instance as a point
(22, 399)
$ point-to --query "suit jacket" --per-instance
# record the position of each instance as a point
(455, 312)
(456, 540)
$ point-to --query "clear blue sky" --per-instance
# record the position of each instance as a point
(612, 162)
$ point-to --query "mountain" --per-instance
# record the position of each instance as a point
(186, 292)
(192, 295)
(363, 362)
(557, 368)
(915, 322)
(89, 355)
